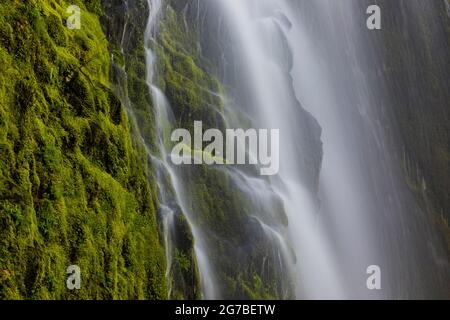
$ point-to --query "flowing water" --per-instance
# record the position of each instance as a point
(358, 217)
(259, 30)
(171, 203)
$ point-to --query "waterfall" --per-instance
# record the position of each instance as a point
(259, 30)
(168, 205)
(345, 210)
(365, 207)
(287, 59)
(260, 194)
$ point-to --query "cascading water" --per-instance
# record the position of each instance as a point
(170, 203)
(259, 30)
(274, 65)
(371, 216)
(277, 251)
(277, 55)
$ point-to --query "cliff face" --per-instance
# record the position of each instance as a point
(235, 244)
(390, 87)
(414, 53)
(78, 127)
(75, 184)
(125, 23)
(410, 62)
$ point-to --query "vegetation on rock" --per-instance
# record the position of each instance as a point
(75, 187)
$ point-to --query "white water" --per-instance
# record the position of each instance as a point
(256, 28)
(164, 121)
(334, 242)
(342, 189)
(257, 35)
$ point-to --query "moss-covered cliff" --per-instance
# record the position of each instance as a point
(75, 186)
(243, 258)
(125, 24)
(78, 185)
(79, 149)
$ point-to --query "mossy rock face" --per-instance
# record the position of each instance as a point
(75, 186)
(238, 249)
(129, 80)
(194, 93)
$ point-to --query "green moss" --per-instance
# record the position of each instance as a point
(219, 207)
(257, 290)
(75, 187)
(193, 92)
